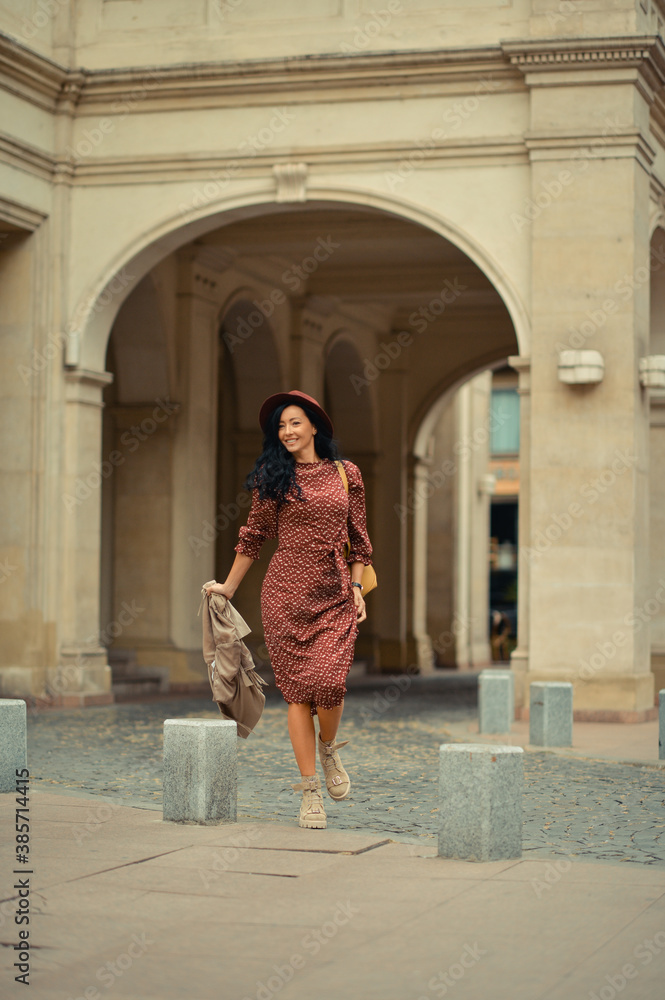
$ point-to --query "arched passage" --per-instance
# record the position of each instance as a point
(371, 312)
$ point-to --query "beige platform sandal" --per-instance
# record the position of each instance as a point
(337, 780)
(312, 813)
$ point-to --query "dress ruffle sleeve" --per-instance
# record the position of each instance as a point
(361, 548)
(261, 525)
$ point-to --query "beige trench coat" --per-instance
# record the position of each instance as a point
(235, 684)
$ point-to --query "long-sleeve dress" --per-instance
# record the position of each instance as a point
(307, 606)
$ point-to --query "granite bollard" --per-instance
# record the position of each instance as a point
(496, 701)
(661, 725)
(13, 741)
(200, 771)
(551, 714)
(480, 801)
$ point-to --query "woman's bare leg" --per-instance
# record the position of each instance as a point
(329, 720)
(301, 731)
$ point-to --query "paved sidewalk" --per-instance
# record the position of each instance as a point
(126, 906)
(630, 743)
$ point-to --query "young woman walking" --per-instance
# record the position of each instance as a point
(310, 604)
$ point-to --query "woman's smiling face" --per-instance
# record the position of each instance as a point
(296, 431)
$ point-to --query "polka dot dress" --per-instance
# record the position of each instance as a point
(307, 606)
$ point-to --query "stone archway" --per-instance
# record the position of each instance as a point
(418, 328)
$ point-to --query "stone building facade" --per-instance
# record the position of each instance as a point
(202, 203)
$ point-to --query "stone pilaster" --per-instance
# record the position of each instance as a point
(83, 675)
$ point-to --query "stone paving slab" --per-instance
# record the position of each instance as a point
(382, 920)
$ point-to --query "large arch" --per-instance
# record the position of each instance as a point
(312, 341)
(93, 315)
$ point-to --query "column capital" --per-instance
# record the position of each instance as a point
(200, 270)
(85, 386)
(522, 365)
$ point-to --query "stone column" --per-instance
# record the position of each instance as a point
(194, 460)
(657, 520)
(307, 361)
(392, 521)
(589, 442)
(83, 675)
(442, 624)
(423, 642)
(519, 659)
(472, 517)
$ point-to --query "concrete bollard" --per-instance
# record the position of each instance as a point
(510, 674)
(551, 714)
(480, 800)
(13, 741)
(496, 701)
(661, 725)
(200, 771)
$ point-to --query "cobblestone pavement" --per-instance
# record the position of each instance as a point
(598, 810)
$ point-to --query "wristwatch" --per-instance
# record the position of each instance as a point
(354, 584)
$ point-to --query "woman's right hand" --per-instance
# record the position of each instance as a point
(220, 588)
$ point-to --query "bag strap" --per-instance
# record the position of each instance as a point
(342, 472)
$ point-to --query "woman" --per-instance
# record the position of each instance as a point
(310, 605)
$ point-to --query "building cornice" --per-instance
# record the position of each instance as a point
(26, 157)
(48, 83)
(561, 61)
(20, 217)
(270, 80)
(31, 76)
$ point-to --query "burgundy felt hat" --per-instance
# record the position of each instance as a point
(297, 398)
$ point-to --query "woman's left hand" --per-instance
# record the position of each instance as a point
(359, 602)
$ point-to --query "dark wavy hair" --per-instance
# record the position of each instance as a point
(274, 472)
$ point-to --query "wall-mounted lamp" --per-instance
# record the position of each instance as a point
(581, 367)
(652, 371)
